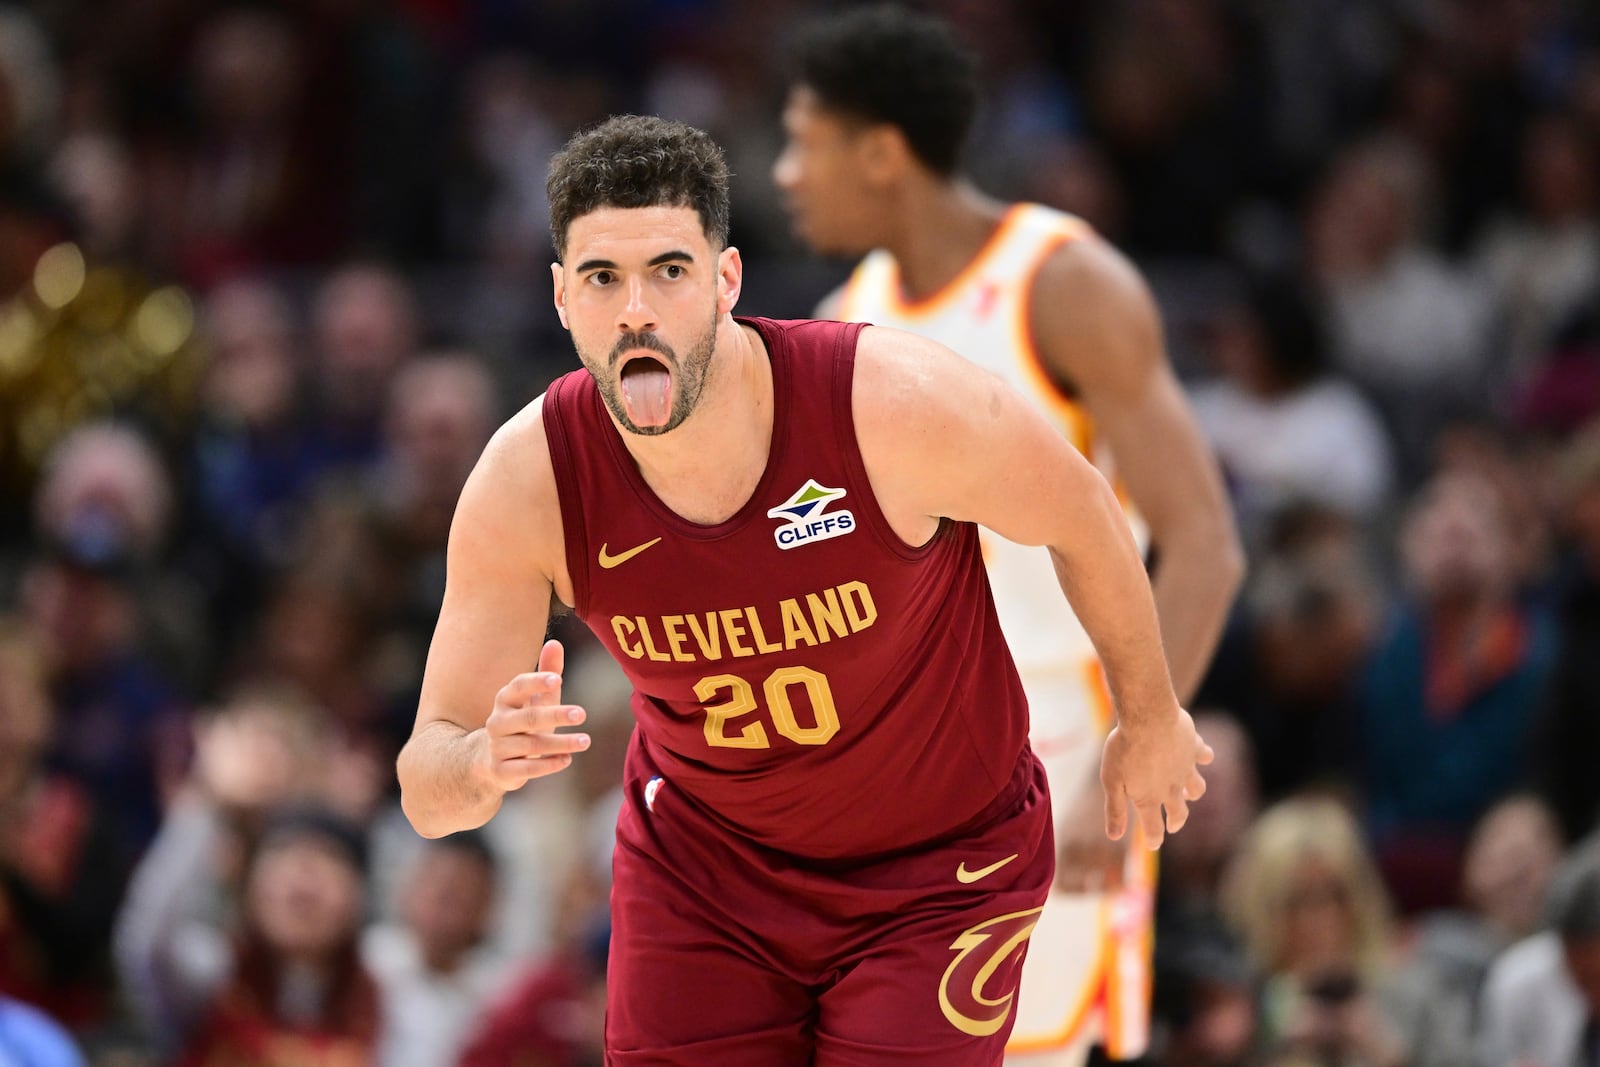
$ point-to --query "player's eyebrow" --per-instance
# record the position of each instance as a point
(676, 255)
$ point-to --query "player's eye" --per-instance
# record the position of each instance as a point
(600, 277)
(673, 270)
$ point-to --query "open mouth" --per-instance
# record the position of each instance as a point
(646, 390)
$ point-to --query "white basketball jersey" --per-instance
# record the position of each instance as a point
(982, 314)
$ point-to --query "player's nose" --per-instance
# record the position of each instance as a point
(636, 314)
(785, 171)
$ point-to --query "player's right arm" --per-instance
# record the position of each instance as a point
(488, 715)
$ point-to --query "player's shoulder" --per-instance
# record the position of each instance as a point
(900, 374)
(515, 470)
(1083, 268)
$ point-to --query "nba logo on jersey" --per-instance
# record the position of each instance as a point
(803, 516)
(651, 788)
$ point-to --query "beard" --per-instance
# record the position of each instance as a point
(688, 376)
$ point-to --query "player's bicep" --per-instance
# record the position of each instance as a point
(496, 603)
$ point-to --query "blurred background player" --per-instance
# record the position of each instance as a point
(880, 106)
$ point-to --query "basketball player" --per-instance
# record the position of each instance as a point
(880, 106)
(835, 839)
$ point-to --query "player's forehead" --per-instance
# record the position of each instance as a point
(631, 235)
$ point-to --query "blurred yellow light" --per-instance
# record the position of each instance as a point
(18, 336)
(164, 321)
(58, 276)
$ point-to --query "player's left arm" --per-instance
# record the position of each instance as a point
(1099, 333)
(941, 438)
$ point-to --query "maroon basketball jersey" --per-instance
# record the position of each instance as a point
(800, 672)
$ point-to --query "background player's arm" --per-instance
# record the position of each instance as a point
(486, 716)
(940, 437)
(1099, 332)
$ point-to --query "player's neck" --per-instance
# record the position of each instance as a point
(931, 256)
(706, 469)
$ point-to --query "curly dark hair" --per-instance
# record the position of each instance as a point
(638, 161)
(885, 63)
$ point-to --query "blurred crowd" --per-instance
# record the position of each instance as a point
(271, 273)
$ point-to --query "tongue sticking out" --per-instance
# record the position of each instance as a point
(646, 391)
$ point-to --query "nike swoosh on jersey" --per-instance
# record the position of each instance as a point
(608, 561)
(966, 877)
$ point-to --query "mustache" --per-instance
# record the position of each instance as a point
(631, 342)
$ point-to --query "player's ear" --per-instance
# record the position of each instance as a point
(885, 154)
(730, 279)
(558, 279)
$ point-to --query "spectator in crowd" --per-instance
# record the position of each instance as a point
(364, 328)
(1310, 906)
(244, 838)
(1285, 431)
(1541, 1003)
(441, 411)
(252, 457)
(1288, 669)
(437, 967)
(1569, 729)
(1452, 687)
(554, 1014)
(120, 711)
(1510, 861)
(1404, 322)
(62, 866)
(1543, 262)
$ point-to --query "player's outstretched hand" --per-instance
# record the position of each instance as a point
(522, 729)
(1155, 765)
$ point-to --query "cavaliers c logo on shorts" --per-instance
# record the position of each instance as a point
(981, 951)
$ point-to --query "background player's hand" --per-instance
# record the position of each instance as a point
(1153, 766)
(1087, 861)
(523, 742)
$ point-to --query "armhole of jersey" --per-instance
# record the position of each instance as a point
(574, 533)
(844, 377)
(1054, 390)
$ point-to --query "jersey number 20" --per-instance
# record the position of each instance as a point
(742, 700)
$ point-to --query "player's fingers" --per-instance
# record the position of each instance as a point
(534, 719)
(1206, 755)
(1196, 786)
(1116, 812)
(513, 773)
(552, 657)
(1150, 821)
(1177, 811)
(528, 688)
(534, 745)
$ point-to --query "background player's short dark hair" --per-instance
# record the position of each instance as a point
(887, 64)
(638, 161)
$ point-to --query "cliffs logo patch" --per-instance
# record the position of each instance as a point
(806, 518)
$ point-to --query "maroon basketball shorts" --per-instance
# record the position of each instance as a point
(727, 954)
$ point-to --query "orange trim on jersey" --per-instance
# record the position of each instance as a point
(936, 301)
(1092, 997)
